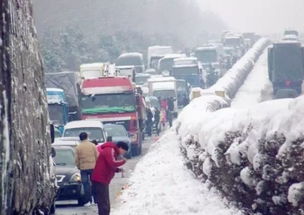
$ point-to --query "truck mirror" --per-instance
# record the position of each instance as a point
(52, 132)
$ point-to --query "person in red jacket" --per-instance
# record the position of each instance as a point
(107, 165)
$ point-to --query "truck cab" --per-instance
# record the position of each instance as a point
(131, 59)
(57, 107)
(113, 100)
(93, 70)
(188, 69)
(155, 53)
(286, 66)
(164, 88)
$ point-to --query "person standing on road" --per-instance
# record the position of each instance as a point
(85, 159)
(157, 120)
(106, 166)
(149, 122)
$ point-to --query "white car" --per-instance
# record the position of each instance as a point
(94, 129)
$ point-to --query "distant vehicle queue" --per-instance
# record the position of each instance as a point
(140, 98)
(128, 100)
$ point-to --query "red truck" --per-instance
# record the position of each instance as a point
(114, 100)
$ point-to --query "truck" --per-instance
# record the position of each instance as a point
(164, 88)
(131, 59)
(93, 70)
(155, 53)
(188, 69)
(114, 100)
(209, 58)
(166, 63)
(286, 67)
(57, 107)
(69, 82)
(183, 92)
(127, 71)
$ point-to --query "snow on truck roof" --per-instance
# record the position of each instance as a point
(206, 48)
(106, 85)
(172, 56)
(91, 65)
(84, 124)
(161, 79)
(54, 90)
(131, 54)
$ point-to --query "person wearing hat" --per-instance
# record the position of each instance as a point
(106, 166)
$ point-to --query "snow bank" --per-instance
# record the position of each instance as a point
(254, 156)
(257, 87)
(234, 78)
(161, 185)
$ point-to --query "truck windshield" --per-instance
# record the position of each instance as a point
(189, 74)
(164, 94)
(129, 60)
(166, 64)
(56, 113)
(206, 56)
(93, 133)
(108, 103)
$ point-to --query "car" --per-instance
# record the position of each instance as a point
(94, 128)
(119, 133)
(68, 176)
(66, 141)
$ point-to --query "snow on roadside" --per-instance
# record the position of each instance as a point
(162, 185)
(257, 86)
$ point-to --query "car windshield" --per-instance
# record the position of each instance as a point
(116, 131)
(56, 113)
(108, 103)
(93, 133)
(64, 157)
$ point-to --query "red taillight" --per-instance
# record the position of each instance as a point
(288, 83)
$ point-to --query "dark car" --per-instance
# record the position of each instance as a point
(68, 176)
(119, 133)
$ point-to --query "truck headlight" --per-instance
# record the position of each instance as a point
(75, 178)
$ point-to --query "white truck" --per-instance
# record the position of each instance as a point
(164, 88)
(155, 53)
(93, 70)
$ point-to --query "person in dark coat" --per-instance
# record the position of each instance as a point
(149, 122)
(106, 166)
(156, 120)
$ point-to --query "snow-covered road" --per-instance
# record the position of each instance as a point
(162, 185)
(256, 88)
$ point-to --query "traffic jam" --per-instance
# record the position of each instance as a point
(130, 100)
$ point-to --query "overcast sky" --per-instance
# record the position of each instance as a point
(262, 16)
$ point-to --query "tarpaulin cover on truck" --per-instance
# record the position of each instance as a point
(68, 81)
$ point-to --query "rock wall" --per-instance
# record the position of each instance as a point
(26, 183)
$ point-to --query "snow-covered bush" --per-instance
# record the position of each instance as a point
(255, 156)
